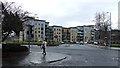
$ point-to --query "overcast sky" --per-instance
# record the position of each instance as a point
(70, 13)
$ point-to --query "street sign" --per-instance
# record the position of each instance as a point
(56, 36)
(32, 35)
(105, 37)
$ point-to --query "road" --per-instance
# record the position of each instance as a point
(82, 55)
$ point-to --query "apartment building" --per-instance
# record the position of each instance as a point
(49, 34)
(80, 34)
(85, 34)
(41, 30)
(65, 34)
(57, 33)
(73, 34)
(36, 28)
(46, 30)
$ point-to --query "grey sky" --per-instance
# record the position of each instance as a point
(70, 13)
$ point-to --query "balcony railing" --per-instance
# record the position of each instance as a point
(80, 32)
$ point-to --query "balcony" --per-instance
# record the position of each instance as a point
(80, 35)
(80, 32)
(92, 35)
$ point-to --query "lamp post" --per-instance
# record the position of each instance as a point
(110, 27)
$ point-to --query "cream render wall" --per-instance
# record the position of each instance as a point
(55, 31)
(73, 35)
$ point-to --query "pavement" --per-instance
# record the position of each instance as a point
(103, 47)
(80, 55)
(34, 58)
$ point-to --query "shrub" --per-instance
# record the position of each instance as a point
(13, 48)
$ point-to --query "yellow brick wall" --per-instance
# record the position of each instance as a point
(73, 38)
(37, 33)
(59, 35)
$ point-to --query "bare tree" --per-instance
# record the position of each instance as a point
(102, 25)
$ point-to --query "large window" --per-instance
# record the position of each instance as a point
(42, 29)
(41, 35)
(35, 35)
(39, 24)
(41, 32)
(35, 31)
(35, 23)
(35, 28)
(38, 31)
(38, 27)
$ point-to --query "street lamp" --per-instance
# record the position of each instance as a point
(110, 27)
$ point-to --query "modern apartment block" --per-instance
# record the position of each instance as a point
(36, 28)
(49, 34)
(85, 34)
(80, 34)
(41, 30)
(73, 34)
(65, 34)
(57, 33)
(46, 30)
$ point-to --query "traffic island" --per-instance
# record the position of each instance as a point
(33, 59)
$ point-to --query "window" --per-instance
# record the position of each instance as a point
(38, 31)
(41, 28)
(39, 24)
(35, 23)
(59, 29)
(38, 27)
(32, 32)
(35, 31)
(39, 35)
(32, 28)
(41, 32)
(35, 35)
(35, 28)
(27, 32)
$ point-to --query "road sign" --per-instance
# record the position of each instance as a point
(56, 36)
(105, 37)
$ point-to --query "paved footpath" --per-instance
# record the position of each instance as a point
(98, 46)
(32, 59)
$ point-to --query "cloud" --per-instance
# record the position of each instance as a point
(69, 12)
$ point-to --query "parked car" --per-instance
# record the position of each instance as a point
(62, 42)
(95, 43)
